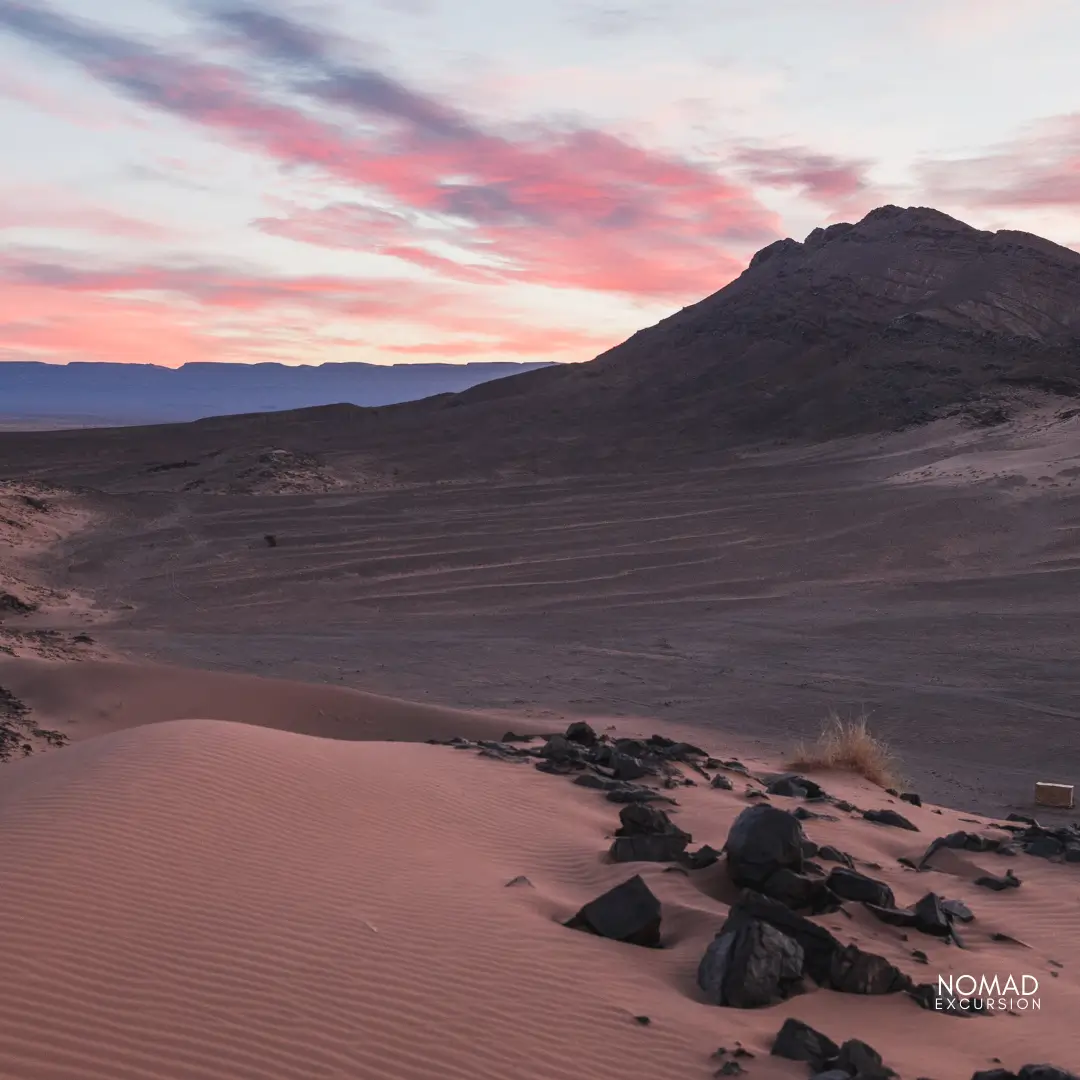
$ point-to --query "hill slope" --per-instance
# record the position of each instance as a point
(868, 327)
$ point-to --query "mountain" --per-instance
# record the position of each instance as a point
(146, 393)
(902, 317)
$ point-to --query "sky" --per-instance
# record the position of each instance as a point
(399, 181)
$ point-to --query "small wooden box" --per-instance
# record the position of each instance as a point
(1059, 795)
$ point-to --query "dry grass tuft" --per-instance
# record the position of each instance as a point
(848, 744)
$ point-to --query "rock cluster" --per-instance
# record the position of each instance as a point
(853, 1060)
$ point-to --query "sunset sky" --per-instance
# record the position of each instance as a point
(407, 180)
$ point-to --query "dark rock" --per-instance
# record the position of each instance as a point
(809, 848)
(1007, 848)
(625, 767)
(994, 1074)
(1044, 1072)
(794, 786)
(1044, 847)
(803, 814)
(1024, 818)
(698, 860)
(634, 793)
(817, 943)
(851, 885)
(957, 911)
(512, 736)
(930, 916)
(600, 783)
(521, 879)
(750, 966)
(862, 1061)
(797, 1041)
(270, 540)
(1072, 853)
(893, 916)
(889, 817)
(999, 884)
(800, 892)
(721, 781)
(629, 913)
(638, 820)
(659, 849)
(856, 972)
(919, 956)
(762, 840)
(832, 1074)
(582, 733)
(644, 1021)
(911, 797)
(843, 804)
(560, 749)
(833, 854)
(734, 765)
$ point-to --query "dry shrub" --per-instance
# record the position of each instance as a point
(848, 744)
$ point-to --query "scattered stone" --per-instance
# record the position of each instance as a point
(721, 781)
(521, 879)
(733, 765)
(832, 854)
(843, 804)
(803, 814)
(856, 972)
(890, 817)
(645, 1021)
(511, 736)
(9, 602)
(762, 840)
(756, 793)
(730, 1068)
(628, 913)
(582, 733)
(797, 1041)
(903, 860)
(792, 785)
(661, 849)
(919, 956)
(857, 1059)
(698, 860)
(749, 965)
(851, 885)
(633, 793)
(911, 797)
(892, 916)
(1044, 847)
(817, 943)
(999, 884)
(600, 783)
(270, 540)
(930, 916)
(957, 911)
(638, 820)
(1010, 940)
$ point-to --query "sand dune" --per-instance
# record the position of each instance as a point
(97, 697)
(198, 899)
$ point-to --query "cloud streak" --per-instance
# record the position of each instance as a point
(565, 208)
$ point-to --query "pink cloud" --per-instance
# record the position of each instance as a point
(1039, 169)
(32, 208)
(171, 316)
(576, 208)
(821, 177)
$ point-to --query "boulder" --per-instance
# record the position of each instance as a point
(817, 943)
(640, 820)
(700, 859)
(862, 1062)
(797, 1041)
(851, 885)
(722, 782)
(853, 971)
(889, 817)
(750, 966)
(762, 840)
(834, 854)
(930, 916)
(911, 797)
(794, 786)
(659, 848)
(582, 733)
(629, 913)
